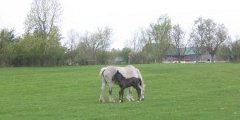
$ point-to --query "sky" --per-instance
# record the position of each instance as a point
(126, 17)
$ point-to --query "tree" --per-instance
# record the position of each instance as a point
(72, 52)
(177, 36)
(224, 52)
(235, 51)
(208, 35)
(43, 17)
(139, 40)
(103, 57)
(138, 54)
(95, 42)
(125, 54)
(42, 23)
(30, 51)
(7, 41)
(196, 40)
(215, 36)
(159, 33)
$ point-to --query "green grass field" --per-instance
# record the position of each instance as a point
(173, 92)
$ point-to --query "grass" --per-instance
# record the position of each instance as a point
(173, 92)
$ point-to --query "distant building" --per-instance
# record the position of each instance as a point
(187, 55)
(119, 60)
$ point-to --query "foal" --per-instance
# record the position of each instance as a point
(123, 83)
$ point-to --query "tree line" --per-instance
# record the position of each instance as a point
(40, 44)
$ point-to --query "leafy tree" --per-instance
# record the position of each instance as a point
(148, 53)
(103, 57)
(126, 55)
(42, 33)
(7, 41)
(159, 33)
(224, 52)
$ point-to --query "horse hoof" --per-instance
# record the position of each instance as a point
(101, 101)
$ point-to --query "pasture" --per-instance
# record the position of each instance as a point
(173, 92)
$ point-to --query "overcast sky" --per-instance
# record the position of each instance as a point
(125, 17)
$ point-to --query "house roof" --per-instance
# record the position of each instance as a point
(183, 51)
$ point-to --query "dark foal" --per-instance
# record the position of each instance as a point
(119, 79)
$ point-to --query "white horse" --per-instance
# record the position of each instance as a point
(107, 74)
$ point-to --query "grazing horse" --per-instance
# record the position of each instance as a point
(107, 74)
(123, 83)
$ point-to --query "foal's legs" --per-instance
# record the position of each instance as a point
(121, 93)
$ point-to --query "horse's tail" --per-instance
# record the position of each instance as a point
(101, 73)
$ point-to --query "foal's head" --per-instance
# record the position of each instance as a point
(118, 77)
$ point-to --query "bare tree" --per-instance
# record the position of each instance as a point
(137, 44)
(98, 41)
(178, 41)
(139, 40)
(208, 35)
(73, 37)
(196, 40)
(43, 16)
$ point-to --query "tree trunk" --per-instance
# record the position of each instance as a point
(212, 58)
(179, 58)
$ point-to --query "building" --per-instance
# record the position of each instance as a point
(185, 55)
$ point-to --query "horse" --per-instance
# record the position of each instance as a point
(123, 83)
(106, 74)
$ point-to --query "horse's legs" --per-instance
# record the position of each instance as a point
(101, 98)
(129, 96)
(110, 92)
(121, 93)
